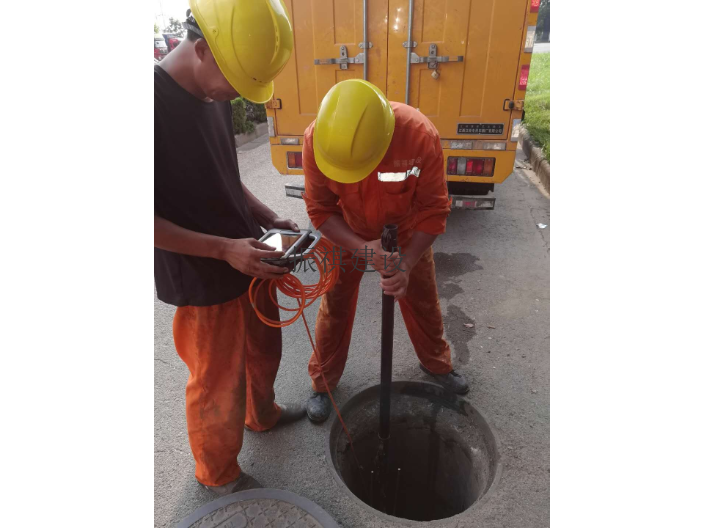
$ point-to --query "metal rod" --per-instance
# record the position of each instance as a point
(398, 479)
(409, 50)
(371, 492)
(364, 32)
(389, 241)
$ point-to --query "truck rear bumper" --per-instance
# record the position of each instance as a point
(295, 190)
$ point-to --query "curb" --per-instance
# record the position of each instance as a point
(259, 130)
(535, 156)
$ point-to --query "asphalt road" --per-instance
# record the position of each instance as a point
(492, 271)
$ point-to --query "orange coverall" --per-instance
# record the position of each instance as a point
(233, 358)
(416, 204)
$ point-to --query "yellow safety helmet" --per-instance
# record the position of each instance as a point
(353, 130)
(251, 41)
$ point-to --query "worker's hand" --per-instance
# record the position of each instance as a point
(245, 255)
(281, 223)
(378, 258)
(397, 284)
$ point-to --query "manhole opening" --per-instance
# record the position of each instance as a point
(440, 459)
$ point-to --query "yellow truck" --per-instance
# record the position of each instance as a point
(463, 63)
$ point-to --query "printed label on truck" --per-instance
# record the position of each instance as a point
(487, 129)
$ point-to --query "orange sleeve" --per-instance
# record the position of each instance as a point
(432, 200)
(321, 202)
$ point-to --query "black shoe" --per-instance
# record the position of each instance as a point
(319, 407)
(452, 381)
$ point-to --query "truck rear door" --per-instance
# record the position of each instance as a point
(320, 29)
(467, 99)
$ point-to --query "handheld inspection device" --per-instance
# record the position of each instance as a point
(296, 245)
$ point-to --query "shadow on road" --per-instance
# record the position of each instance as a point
(447, 268)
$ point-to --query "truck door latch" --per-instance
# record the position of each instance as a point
(433, 58)
(343, 60)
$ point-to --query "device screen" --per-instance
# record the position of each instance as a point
(281, 242)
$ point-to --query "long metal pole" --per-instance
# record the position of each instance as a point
(409, 43)
(389, 241)
(364, 31)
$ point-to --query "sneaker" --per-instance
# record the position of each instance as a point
(452, 381)
(243, 482)
(319, 407)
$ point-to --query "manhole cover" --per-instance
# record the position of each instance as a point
(260, 508)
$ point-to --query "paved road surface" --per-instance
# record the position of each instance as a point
(542, 47)
(492, 269)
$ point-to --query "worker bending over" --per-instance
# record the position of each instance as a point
(370, 162)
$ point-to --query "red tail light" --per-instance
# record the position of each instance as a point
(523, 81)
(478, 167)
(460, 166)
(452, 165)
(295, 160)
(534, 6)
(489, 166)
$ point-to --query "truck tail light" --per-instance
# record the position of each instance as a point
(460, 166)
(488, 167)
(295, 160)
(452, 165)
(523, 81)
(534, 6)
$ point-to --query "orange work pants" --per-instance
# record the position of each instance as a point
(420, 309)
(233, 358)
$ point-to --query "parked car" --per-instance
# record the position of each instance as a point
(160, 49)
(172, 40)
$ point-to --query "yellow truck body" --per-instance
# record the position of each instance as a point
(466, 69)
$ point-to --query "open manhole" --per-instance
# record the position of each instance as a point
(260, 508)
(440, 460)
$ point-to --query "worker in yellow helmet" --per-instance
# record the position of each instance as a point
(207, 225)
(370, 162)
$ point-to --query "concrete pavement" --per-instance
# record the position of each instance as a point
(492, 270)
(541, 47)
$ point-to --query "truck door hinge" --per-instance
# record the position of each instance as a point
(513, 105)
(433, 58)
(343, 60)
(273, 104)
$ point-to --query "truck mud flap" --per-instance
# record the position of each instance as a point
(471, 202)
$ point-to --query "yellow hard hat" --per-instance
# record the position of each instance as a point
(251, 41)
(353, 130)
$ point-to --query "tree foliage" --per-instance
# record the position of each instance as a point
(156, 28)
(175, 27)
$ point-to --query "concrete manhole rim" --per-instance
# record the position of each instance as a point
(361, 396)
(306, 505)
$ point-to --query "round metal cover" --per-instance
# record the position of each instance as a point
(260, 508)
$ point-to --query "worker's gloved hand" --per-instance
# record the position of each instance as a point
(245, 255)
(283, 223)
(385, 267)
(397, 284)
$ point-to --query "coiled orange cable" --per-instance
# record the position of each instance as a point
(305, 295)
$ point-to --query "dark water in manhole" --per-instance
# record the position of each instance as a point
(445, 452)
(424, 477)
